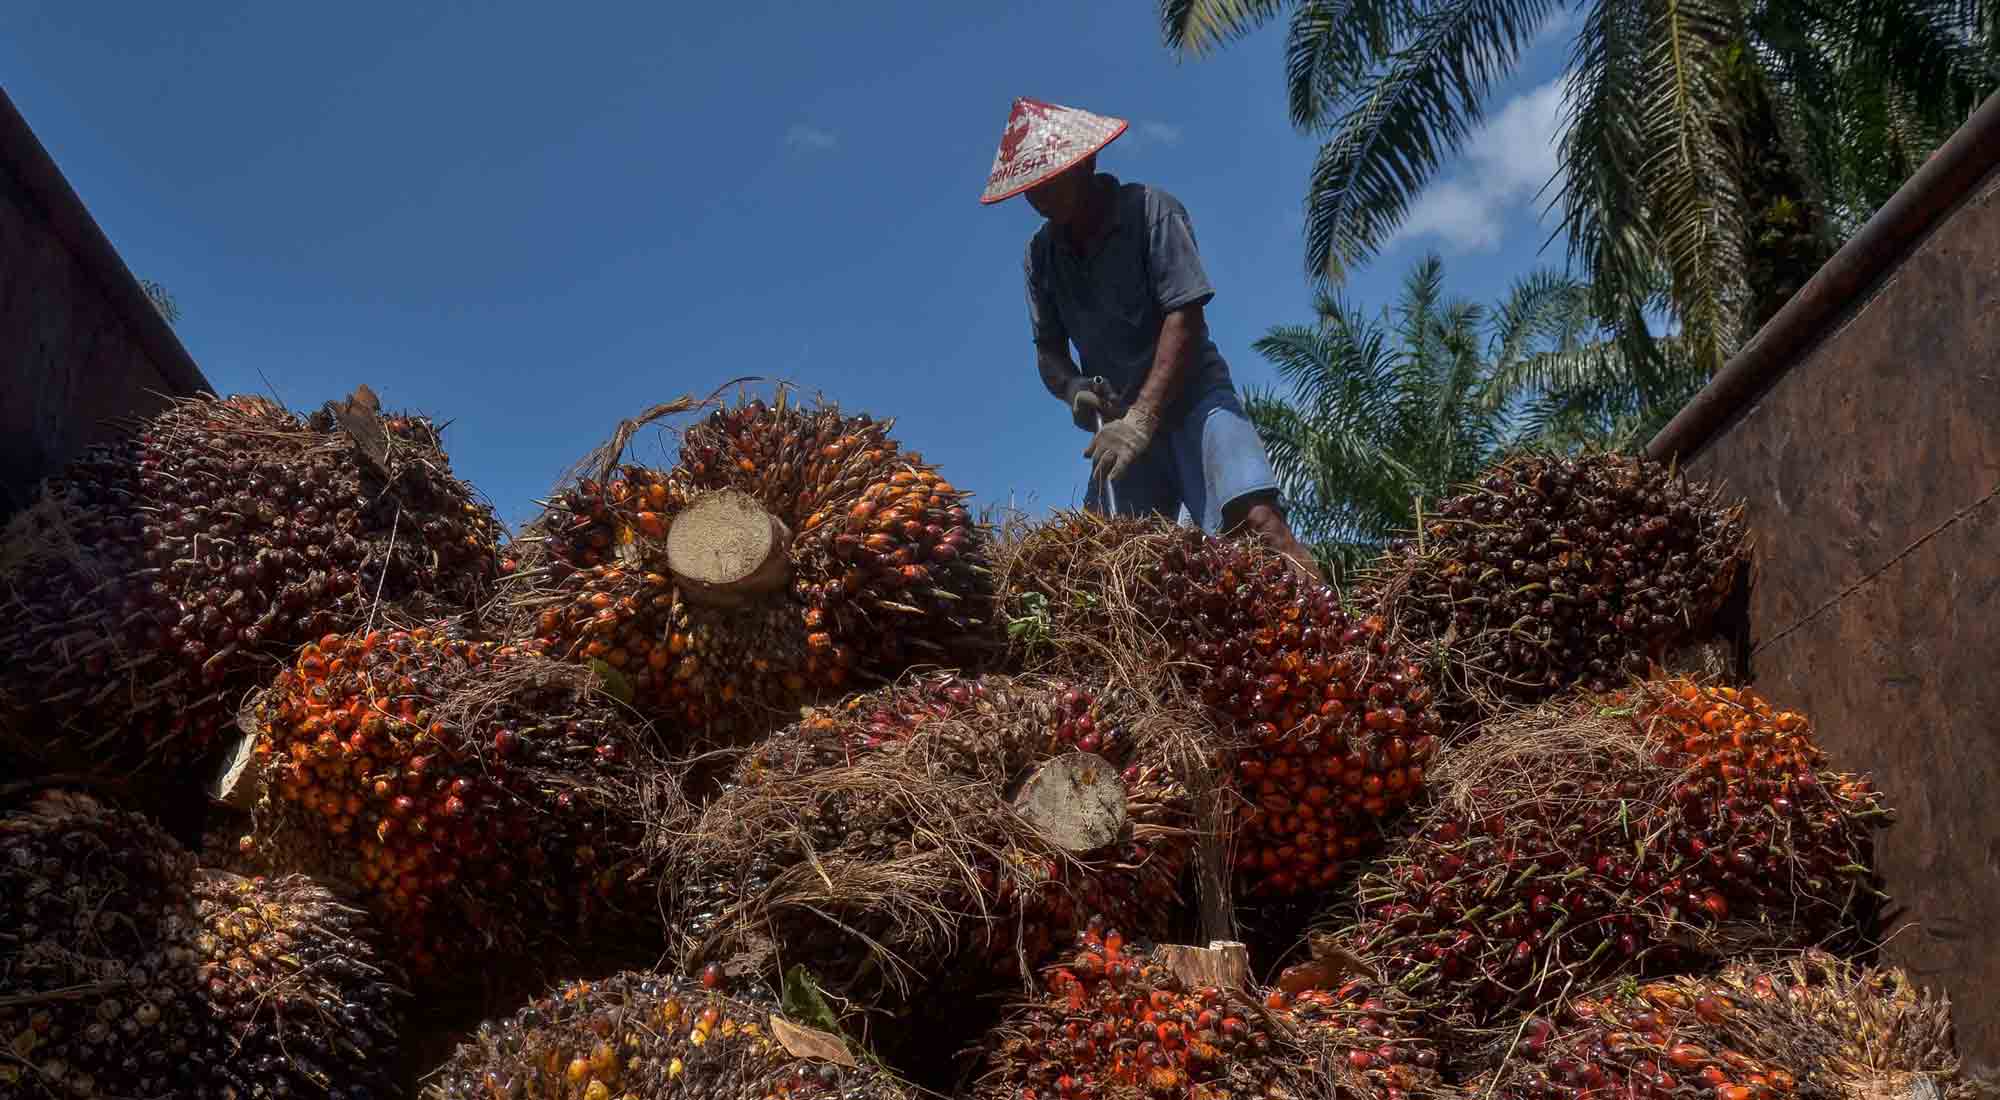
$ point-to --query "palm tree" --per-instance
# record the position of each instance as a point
(1707, 144)
(1386, 413)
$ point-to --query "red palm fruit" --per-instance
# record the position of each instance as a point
(588, 521)
(156, 578)
(97, 900)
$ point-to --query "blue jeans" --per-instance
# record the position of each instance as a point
(1208, 460)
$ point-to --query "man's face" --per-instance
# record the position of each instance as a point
(1060, 198)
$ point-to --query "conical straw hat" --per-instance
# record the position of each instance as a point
(1042, 140)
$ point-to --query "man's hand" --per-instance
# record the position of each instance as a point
(1115, 448)
(1085, 403)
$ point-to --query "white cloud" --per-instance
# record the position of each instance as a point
(802, 138)
(1505, 165)
(1155, 133)
(1559, 23)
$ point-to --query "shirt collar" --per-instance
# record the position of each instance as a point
(1111, 187)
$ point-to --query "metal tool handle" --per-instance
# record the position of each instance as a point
(1110, 495)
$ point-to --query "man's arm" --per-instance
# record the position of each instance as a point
(1052, 361)
(1181, 333)
(1181, 287)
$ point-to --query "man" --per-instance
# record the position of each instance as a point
(1114, 269)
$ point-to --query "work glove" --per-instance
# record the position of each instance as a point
(1115, 448)
(1085, 403)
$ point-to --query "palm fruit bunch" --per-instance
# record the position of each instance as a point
(882, 566)
(1813, 1026)
(155, 578)
(638, 1034)
(1115, 1018)
(1658, 827)
(477, 798)
(94, 899)
(1554, 571)
(874, 840)
(298, 1003)
(1334, 721)
(132, 974)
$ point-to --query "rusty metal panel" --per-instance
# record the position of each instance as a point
(80, 344)
(1899, 678)
(1871, 466)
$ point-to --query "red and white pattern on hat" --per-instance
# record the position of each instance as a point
(1041, 140)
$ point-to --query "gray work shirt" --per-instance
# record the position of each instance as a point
(1111, 303)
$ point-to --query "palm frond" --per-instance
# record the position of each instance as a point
(1422, 108)
(1381, 413)
(1691, 174)
(1332, 442)
(1331, 45)
(1543, 305)
(1337, 483)
(1800, 93)
(1198, 26)
(1341, 369)
(1602, 150)
(1597, 367)
(1925, 47)
(1340, 559)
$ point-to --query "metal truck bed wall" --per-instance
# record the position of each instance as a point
(80, 343)
(1862, 424)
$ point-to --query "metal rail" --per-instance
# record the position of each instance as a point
(1839, 285)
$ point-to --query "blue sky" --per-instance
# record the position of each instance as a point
(535, 221)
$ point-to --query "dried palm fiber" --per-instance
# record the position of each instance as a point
(654, 1037)
(482, 802)
(1559, 571)
(1335, 719)
(875, 842)
(1115, 1019)
(1812, 1026)
(866, 562)
(153, 581)
(1657, 828)
(131, 974)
